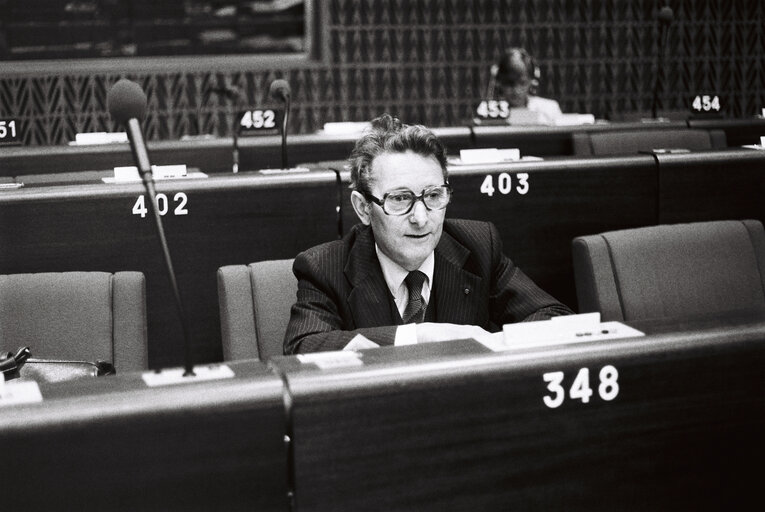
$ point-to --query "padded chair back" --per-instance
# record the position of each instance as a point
(676, 271)
(255, 302)
(83, 316)
(629, 142)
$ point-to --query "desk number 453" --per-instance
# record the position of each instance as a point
(608, 388)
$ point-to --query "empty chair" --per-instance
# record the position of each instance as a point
(634, 141)
(678, 271)
(255, 302)
(83, 316)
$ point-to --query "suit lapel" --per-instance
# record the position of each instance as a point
(456, 290)
(368, 300)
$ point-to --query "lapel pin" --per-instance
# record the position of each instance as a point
(466, 291)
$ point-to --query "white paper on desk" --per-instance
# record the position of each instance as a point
(573, 119)
(360, 342)
(337, 359)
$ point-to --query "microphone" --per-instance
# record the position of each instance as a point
(233, 94)
(280, 90)
(127, 105)
(664, 17)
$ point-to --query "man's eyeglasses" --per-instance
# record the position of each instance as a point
(401, 202)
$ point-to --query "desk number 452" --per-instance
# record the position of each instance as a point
(608, 388)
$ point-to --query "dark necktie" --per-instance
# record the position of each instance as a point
(415, 308)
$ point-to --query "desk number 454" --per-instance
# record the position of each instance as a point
(608, 388)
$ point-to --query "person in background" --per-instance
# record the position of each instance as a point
(516, 79)
(406, 274)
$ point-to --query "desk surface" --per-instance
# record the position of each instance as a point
(113, 444)
(215, 155)
(673, 420)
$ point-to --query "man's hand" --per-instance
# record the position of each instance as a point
(430, 332)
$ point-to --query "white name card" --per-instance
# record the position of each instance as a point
(338, 359)
(172, 376)
(159, 172)
(88, 139)
(489, 155)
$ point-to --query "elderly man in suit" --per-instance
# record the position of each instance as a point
(406, 274)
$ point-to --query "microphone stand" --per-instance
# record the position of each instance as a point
(665, 17)
(287, 98)
(148, 182)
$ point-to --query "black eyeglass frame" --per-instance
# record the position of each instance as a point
(420, 197)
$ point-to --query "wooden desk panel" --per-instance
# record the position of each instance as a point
(714, 185)
(232, 219)
(683, 432)
(113, 444)
(552, 140)
(738, 132)
(565, 198)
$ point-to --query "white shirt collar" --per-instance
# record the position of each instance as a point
(395, 274)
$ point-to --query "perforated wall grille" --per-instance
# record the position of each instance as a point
(427, 61)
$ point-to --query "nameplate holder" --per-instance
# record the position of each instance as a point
(560, 330)
(95, 138)
(573, 119)
(129, 173)
(760, 146)
(291, 170)
(489, 155)
(19, 392)
(346, 128)
(337, 359)
(172, 376)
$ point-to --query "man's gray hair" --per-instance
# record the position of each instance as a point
(390, 135)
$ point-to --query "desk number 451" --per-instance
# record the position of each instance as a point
(580, 389)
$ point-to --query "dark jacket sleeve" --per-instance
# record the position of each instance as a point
(514, 297)
(319, 319)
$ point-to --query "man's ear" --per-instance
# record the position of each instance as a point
(361, 206)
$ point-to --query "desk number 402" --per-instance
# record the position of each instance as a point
(608, 388)
(180, 199)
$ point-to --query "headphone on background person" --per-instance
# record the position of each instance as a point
(504, 65)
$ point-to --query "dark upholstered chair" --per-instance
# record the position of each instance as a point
(677, 271)
(84, 316)
(255, 302)
(628, 142)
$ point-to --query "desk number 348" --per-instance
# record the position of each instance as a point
(608, 388)
(180, 199)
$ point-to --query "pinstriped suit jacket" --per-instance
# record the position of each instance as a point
(342, 291)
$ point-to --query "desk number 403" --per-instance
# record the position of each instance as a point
(180, 199)
(608, 387)
(505, 184)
